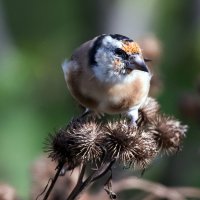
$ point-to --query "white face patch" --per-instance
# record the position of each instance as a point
(105, 58)
(108, 41)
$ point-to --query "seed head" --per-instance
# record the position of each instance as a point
(148, 111)
(168, 133)
(128, 145)
(76, 143)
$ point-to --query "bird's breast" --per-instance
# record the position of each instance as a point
(123, 96)
(108, 98)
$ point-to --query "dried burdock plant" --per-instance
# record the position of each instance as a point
(76, 143)
(89, 143)
(148, 111)
(86, 135)
(168, 133)
(129, 145)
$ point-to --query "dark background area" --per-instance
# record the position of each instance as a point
(35, 38)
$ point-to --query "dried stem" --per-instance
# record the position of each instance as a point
(81, 186)
(156, 189)
(75, 191)
(189, 192)
(59, 168)
(107, 166)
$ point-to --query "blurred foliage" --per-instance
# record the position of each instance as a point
(33, 95)
(179, 28)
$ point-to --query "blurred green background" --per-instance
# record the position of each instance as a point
(36, 36)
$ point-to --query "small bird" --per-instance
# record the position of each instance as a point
(108, 74)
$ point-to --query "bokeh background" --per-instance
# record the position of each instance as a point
(36, 36)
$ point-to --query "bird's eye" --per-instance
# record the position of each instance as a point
(121, 53)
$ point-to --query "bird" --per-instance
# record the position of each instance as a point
(108, 75)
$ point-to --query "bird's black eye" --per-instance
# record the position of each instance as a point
(121, 53)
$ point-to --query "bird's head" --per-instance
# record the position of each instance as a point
(114, 57)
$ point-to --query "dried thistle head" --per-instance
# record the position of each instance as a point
(148, 111)
(76, 143)
(87, 135)
(118, 140)
(168, 133)
(59, 150)
(85, 140)
(145, 151)
(128, 145)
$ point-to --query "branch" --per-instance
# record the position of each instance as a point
(81, 186)
(156, 189)
(59, 168)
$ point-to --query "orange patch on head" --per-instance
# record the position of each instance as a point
(131, 47)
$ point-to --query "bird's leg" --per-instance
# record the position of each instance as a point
(86, 112)
(133, 114)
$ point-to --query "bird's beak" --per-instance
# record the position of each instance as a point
(137, 62)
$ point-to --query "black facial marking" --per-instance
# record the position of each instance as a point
(94, 49)
(121, 53)
(120, 37)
